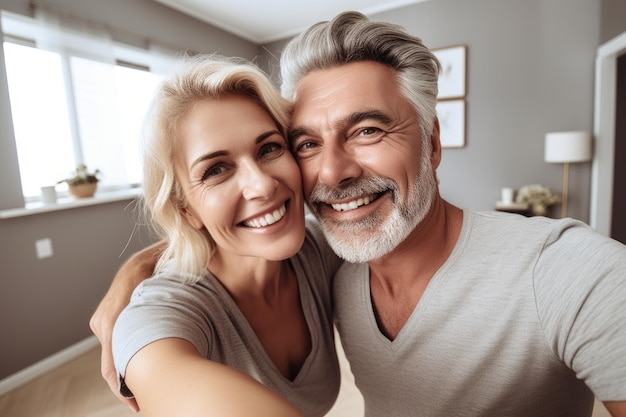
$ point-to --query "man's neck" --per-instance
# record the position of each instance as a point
(425, 249)
(398, 279)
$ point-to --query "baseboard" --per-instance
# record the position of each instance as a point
(48, 364)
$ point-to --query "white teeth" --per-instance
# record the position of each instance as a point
(353, 204)
(269, 218)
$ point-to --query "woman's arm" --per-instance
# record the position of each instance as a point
(170, 378)
(137, 268)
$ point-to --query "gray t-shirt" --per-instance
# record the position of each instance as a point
(205, 315)
(525, 317)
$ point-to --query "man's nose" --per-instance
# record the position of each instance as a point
(338, 165)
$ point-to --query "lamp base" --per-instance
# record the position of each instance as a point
(565, 190)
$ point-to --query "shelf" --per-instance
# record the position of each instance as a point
(71, 202)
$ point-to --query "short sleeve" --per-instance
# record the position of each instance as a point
(161, 307)
(580, 284)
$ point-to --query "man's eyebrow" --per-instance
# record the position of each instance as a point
(294, 134)
(351, 119)
(358, 117)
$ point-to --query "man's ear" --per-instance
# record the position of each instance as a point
(435, 144)
(191, 218)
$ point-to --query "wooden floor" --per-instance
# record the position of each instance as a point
(77, 390)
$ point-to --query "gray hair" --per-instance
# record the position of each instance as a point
(352, 37)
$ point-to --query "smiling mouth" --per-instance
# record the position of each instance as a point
(354, 204)
(267, 219)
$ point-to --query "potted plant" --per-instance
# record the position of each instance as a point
(82, 183)
(538, 197)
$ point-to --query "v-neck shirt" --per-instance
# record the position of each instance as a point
(524, 317)
(206, 315)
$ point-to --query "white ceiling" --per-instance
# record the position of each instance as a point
(262, 21)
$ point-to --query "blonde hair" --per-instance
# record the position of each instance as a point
(198, 78)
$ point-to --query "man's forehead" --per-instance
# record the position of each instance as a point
(352, 71)
(337, 92)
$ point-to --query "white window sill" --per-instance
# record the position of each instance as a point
(71, 202)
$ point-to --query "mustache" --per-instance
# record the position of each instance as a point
(322, 193)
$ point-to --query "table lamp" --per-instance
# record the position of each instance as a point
(565, 148)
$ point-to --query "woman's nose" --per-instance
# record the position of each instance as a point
(256, 182)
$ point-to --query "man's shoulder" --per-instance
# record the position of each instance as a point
(501, 222)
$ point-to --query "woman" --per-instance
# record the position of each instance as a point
(239, 309)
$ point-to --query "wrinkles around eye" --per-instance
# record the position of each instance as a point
(304, 147)
(213, 171)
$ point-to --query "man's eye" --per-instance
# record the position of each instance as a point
(369, 131)
(303, 146)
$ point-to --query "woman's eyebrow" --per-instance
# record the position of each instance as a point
(206, 156)
(217, 154)
(266, 135)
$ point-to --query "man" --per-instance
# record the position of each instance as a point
(442, 311)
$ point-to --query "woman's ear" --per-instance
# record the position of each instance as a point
(193, 220)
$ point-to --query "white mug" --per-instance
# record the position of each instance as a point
(48, 194)
(507, 195)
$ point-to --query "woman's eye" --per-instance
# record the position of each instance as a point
(270, 148)
(213, 171)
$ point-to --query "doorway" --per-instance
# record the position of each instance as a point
(605, 180)
(618, 218)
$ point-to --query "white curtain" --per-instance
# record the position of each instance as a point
(56, 30)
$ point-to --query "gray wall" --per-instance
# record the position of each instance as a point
(613, 13)
(45, 304)
(530, 72)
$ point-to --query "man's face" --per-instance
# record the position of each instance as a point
(359, 145)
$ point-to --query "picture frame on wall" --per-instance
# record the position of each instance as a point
(451, 114)
(452, 78)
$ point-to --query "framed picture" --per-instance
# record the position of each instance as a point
(451, 114)
(452, 78)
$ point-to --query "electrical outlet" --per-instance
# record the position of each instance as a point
(43, 247)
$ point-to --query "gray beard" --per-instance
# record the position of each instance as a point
(375, 236)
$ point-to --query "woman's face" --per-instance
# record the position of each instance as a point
(240, 180)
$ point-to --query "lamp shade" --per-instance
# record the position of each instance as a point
(564, 147)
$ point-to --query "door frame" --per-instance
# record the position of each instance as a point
(602, 168)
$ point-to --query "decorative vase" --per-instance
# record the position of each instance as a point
(539, 210)
(83, 190)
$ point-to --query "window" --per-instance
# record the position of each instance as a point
(72, 106)
(40, 117)
(111, 101)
